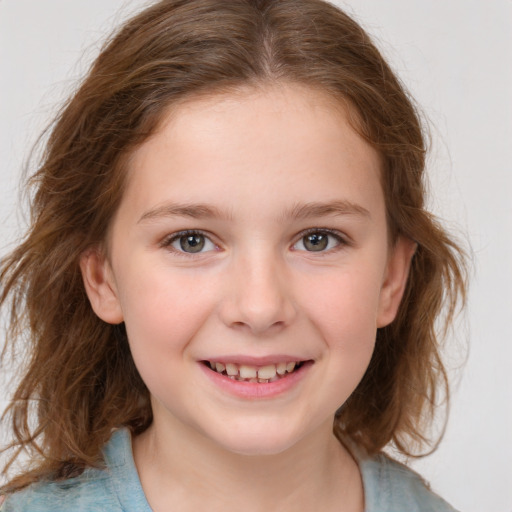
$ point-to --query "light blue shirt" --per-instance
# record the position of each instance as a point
(388, 487)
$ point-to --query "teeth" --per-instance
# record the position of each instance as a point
(281, 368)
(247, 372)
(268, 373)
(231, 369)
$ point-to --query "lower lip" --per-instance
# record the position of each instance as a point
(256, 390)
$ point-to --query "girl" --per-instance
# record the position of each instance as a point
(230, 283)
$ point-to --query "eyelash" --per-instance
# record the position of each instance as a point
(340, 239)
(169, 240)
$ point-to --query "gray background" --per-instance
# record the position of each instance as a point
(455, 56)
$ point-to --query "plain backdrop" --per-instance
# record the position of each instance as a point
(455, 57)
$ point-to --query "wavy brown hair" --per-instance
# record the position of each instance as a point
(79, 380)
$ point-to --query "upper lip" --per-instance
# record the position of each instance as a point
(255, 360)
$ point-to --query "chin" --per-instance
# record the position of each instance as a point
(257, 442)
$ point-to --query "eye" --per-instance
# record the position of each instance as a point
(318, 241)
(191, 242)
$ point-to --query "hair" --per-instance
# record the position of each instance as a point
(80, 381)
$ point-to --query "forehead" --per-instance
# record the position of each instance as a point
(260, 111)
(252, 141)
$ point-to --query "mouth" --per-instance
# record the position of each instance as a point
(255, 374)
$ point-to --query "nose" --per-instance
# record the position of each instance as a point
(259, 295)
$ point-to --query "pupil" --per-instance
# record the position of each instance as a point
(315, 242)
(192, 243)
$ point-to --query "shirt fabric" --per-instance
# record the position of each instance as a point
(388, 487)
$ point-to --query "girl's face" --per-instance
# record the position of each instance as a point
(252, 235)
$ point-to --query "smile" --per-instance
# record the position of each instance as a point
(252, 379)
(254, 374)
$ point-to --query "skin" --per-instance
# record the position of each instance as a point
(255, 161)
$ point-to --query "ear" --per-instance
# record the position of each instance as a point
(395, 280)
(100, 286)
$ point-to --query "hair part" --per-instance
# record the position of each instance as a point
(174, 51)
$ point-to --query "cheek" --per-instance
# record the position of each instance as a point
(344, 306)
(162, 313)
(345, 318)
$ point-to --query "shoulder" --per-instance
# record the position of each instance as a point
(392, 487)
(89, 492)
(113, 489)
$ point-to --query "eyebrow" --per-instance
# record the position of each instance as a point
(297, 212)
(194, 211)
(320, 209)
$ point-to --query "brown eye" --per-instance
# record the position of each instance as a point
(316, 241)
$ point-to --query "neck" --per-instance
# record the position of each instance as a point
(188, 470)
